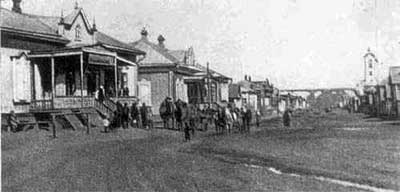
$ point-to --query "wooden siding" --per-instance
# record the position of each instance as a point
(159, 88)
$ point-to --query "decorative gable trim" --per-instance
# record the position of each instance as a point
(69, 22)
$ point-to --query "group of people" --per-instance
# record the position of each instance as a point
(229, 118)
(124, 115)
(189, 117)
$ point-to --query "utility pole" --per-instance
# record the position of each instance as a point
(208, 84)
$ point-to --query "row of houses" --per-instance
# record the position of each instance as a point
(381, 96)
(263, 96)
(52, 64)
(55, 62)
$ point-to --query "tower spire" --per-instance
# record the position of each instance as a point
(76, 4)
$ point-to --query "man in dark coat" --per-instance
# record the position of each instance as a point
(119, 114)
(248, 117)
(243, 116)
(125, 116)
(126, 92)
(143, 114)
(100, 95)
(286, 118)
(178, 114)
(185, 121)
(135, 115)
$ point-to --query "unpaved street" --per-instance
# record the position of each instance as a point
(271, 158)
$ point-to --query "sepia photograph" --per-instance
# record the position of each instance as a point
(200, 95)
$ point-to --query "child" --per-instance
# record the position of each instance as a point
(106, 124)
(258, 117)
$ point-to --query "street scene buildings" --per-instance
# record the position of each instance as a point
(83, 110)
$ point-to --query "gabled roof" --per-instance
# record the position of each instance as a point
(212, 72)
(48, 25)
(163, 51)
(70, 18)
(394, 73)
(179, 55)
(105, 39)
(26, 23)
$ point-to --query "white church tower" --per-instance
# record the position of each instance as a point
(370, 68)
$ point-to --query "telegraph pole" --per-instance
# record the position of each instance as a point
(208, 84)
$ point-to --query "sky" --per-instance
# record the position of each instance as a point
(293, 43)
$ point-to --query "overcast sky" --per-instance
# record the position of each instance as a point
(294, 43)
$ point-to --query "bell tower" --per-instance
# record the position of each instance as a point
(370, 67)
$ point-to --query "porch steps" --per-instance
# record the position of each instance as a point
(73, 120)
(95, 119)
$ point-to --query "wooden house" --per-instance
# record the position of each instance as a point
(52, 63)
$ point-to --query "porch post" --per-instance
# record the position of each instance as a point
(81, 64)
(52, 81)
(33, 90)
(199, 94)
(116, 77)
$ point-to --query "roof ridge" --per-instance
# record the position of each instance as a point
(158, 49)
(47, 26)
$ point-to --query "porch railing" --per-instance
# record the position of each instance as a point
(123, 100)
(105, 107)
(46, 104)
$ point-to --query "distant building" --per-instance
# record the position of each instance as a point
(394, 84)
(258, 95)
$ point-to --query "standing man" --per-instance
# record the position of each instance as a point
(286, 118)
(185, 121)
(258, 117)
(125, 116)
(243, 116)
(248, 119)
(143, 114)
(119, 114)
(100, 93)
(126, 91)
(135, 115)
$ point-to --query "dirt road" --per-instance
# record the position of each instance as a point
(138, 160)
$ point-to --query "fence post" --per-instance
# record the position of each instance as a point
(53, 119)
(88, 123)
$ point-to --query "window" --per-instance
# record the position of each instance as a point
(370, 63)
(370, 73)
(78, 32)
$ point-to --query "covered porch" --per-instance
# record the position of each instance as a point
(201, 90)
(71, 77)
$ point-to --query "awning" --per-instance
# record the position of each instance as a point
(126, 62)
(189, 79)
(70, 51)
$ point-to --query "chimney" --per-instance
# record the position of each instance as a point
(144, 33)
(61, 24)
(94, 27)
(16, 6)
(161, 40)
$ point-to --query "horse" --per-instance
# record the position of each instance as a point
(179, 109)
(167, 112)
(220, 120)
(229, 120)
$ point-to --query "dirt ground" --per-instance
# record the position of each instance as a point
(271, 158)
